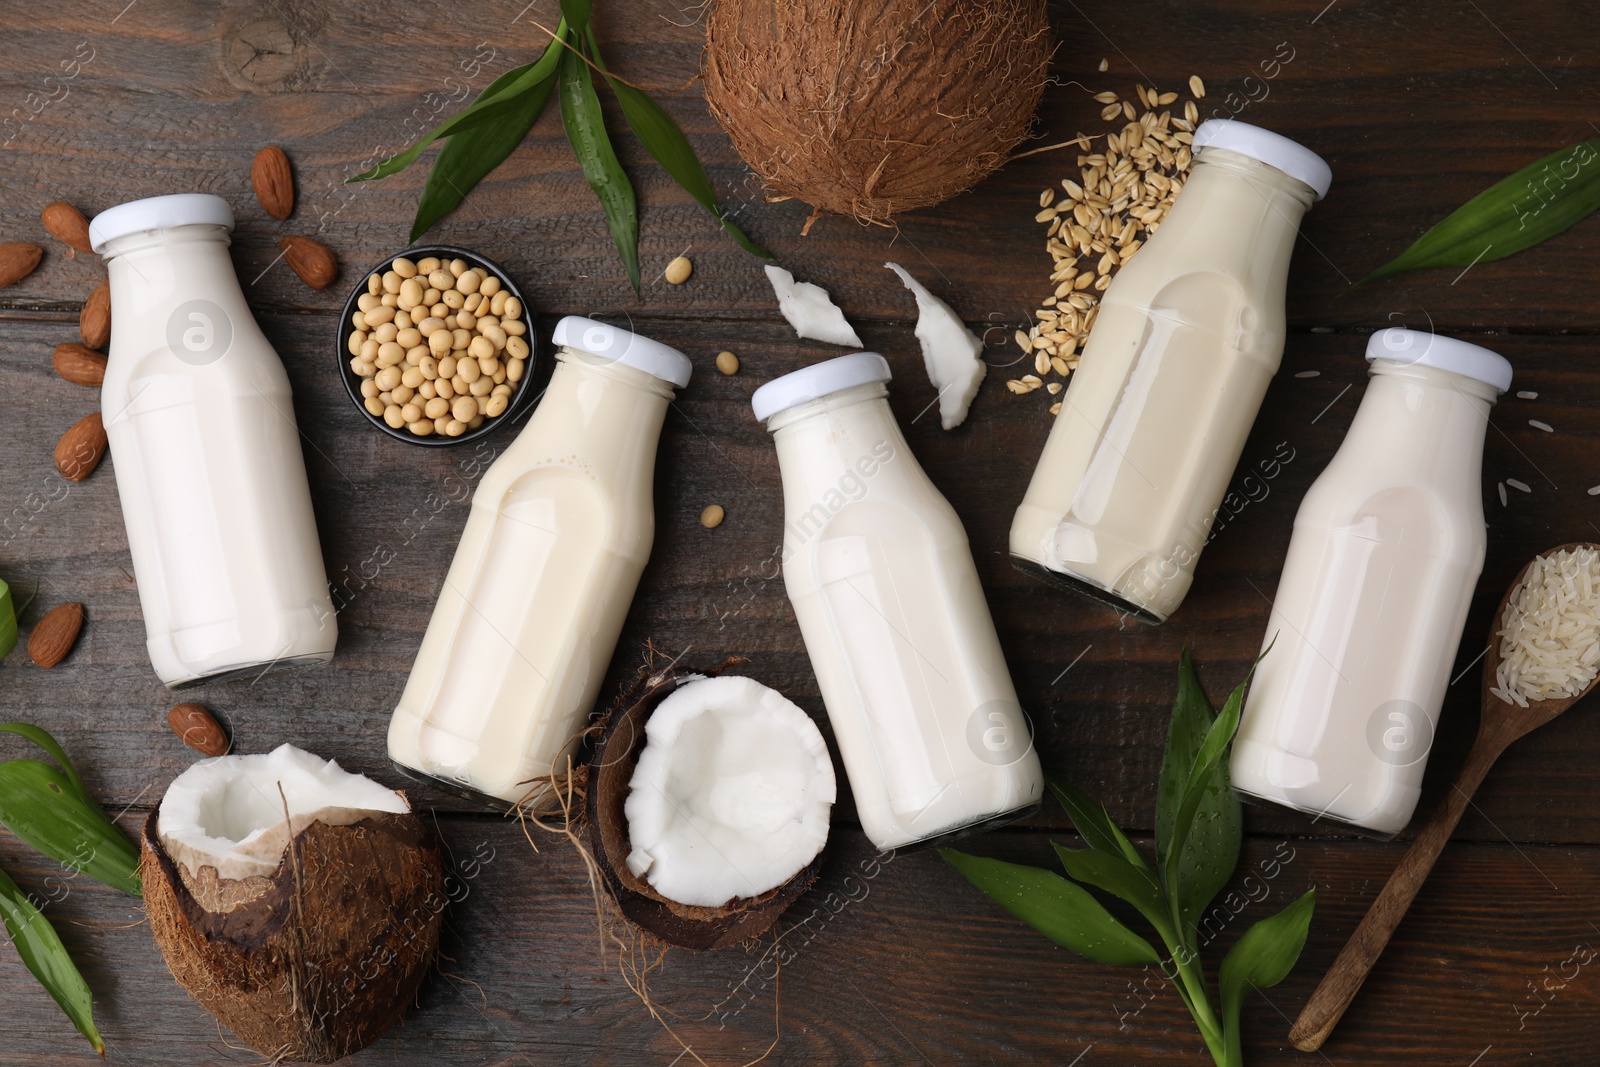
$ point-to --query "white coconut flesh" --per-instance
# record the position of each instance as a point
(951, 353)
(228, 812)
(731, 795)
(810, 310)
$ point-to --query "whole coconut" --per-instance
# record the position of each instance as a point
(870, 108)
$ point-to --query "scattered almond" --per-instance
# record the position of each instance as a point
(199, 729)
(66, 224)
(311, 260)
(94, 322)
(81, 448)
(17, 261)
(79, 364)
(273, 182)
(55, 634)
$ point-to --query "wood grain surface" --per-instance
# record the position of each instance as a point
(1416, 107)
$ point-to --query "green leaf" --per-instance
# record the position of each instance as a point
(664, 140)
(44, 954)
(8, 621)
(576, 14)
(39, 805)
(1115, 875)
(469, 156)
(1066, 913)
(1212, 836)
(499, 100)
(43, 738)
(1262, 958)
(1532, 205)
(580, 112)
(1094, 823)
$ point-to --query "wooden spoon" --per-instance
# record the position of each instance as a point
(1501, 724)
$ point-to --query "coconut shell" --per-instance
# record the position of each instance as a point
(319, 960)
(616, 754)
(870, 108)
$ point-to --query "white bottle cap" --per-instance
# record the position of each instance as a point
(158, 213)
(625, 347)
(1275, 150)
(818, 380)
(1446, 353)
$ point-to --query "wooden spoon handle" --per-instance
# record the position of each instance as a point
(1339, 986)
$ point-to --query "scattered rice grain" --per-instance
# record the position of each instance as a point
(1308, 374)
(1545, 426)
(1527, 394)
(1504, 500)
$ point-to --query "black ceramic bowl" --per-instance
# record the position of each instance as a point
(522, 394)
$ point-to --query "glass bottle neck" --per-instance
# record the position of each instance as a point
(583, 364)
(857, 396)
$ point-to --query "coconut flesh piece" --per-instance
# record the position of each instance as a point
(731, 795)
(952, 354)
(810, 310)
(227, 813)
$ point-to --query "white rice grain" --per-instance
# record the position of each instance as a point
(1550, 632)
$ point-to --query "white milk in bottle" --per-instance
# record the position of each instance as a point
(560, 530)
(206, 453)
(1187, 338)
(878, 569)
(1387, 548)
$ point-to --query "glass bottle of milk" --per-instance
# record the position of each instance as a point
(560, 530)
(1184, 344)
(1387, 548)
(206, 452)
(878, 569)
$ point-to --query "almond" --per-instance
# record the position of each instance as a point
(311, 260)
(94, 322)
(66, 224)
(55, 634)
(81, 448)
(273, 181)
(17, 261)
(79, 364)
(199, 729)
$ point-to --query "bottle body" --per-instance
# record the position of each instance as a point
(1387, 548)
(881, 577)
(529, 615)
(1155, 417)
(209, 470)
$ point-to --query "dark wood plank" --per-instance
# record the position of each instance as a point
(867, 975)
(1417, 109)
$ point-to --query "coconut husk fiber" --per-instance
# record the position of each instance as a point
(870, 108)
(322, 958)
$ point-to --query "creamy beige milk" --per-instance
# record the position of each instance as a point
(1369, 610)
(206, 452)
(1154, 419)
(877, 566)
(560, 530)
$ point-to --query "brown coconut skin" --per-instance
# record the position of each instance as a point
(870, 108)
(611, 770)
(315, 975)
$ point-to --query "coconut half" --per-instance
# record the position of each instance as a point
(310, 952)
(708, 804)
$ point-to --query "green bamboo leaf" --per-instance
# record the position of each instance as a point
(1094, 823)
(1534, 204)
(1212, 838)
(8, 621)
(500, 100)
(1066, 913)
(664, 140)
(1261, 959)
(469, 156)
(576, 13)
(1123, 880)
(1201, 775)
(43, 738)
(37, 803)
(580, 112)
(42, 951)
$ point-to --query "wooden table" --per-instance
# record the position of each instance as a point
(1416, 106)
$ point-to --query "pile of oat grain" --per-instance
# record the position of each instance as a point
(1119, 198)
